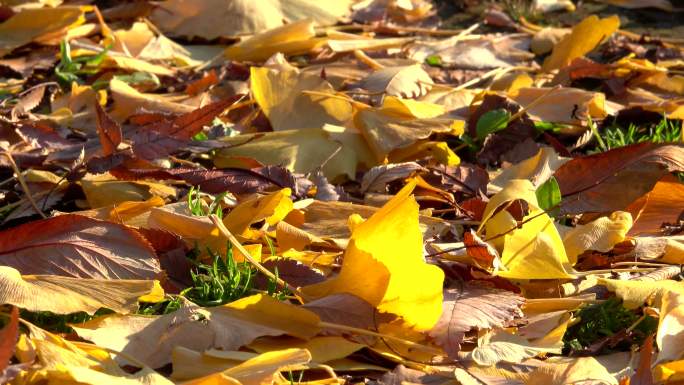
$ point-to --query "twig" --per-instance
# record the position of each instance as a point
(23, 184)
(379, 335)
(367, 60)
(226, 233)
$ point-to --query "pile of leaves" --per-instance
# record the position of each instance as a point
(325, 192)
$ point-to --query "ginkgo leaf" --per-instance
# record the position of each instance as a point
(291, 39)
(262, 369)
(531, 251)
(599, 235)
(564, 105)
(104, 190)
(271, 208)
(390, 275)
(583, 38)
(473, 307)
(406, 81)
(302, 151)
(64, 295)
(228, 327)
(564, 370)
(76, 246)
(377, 178)
(279, 93)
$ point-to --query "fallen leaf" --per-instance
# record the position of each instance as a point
(8, 338)
(65, 295)
(406, 82)
(30, 24)
(583, 38)
(228, 327)
(599, 235)
(473, 307)
(76, 246)
(377, 178)
(659, 206)
(611, 180)
(108, 130)
(387, 267)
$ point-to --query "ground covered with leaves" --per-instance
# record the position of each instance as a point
(326, 192)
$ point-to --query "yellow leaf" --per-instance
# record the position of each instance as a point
(150, 339)
(188, 364)
(599, 235)
(30, 24)
(440, 151)
(303, 151)
(103, 190)
(584, 37)
(128, 100)
(290, 39)
(272, 208)
(383, 265)
(566, 370)
(636, 293)
(260, 370)
(64, 295)
(670, 372)
(564, 105)
(533, 250)
(125, 211)
(322, 349)
(279, 94)
(670, 335)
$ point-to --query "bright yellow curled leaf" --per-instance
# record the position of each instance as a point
(531, 251)
(584, 37)
(272, 208)
(384, 265)
(64, 295)
(599, 235)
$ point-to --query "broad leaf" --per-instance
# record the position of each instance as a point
(491, 122)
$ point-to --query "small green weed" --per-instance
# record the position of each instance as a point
(603, 320)
(69, 70)
(221, 282)
(199, 208)
(614, 136)
(59, 323)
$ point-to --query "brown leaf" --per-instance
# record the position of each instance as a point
(377, 178)
(403, 375)
(235, 180)
(77, 246)
(644, 375)
(8, 339)
(481, 252)
(108, 130)
(664, 204)
(472, 306)
(29, 101)
(291, 271)
(612, 180)
(346, 309)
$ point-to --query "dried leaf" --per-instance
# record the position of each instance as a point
(8, 339)
(76, 246)
(65, 295)
(408, 82)
(108, 130)
(473, 307)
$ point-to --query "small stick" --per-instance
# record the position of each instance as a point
(379, 335)
(226, 233)
(23, 184)
(367, 60)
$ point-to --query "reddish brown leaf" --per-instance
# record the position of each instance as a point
(235, 180)
(612, 180)
(8, 339)
(186, 126)
(644, 375)
(199, 85)
(77, 246)
(472, 306)
(108, 130)
(481, 252)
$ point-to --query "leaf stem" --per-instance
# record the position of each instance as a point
(23, 184)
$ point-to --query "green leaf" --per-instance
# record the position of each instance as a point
(492, 121)
(548, 194)
(434, 60)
